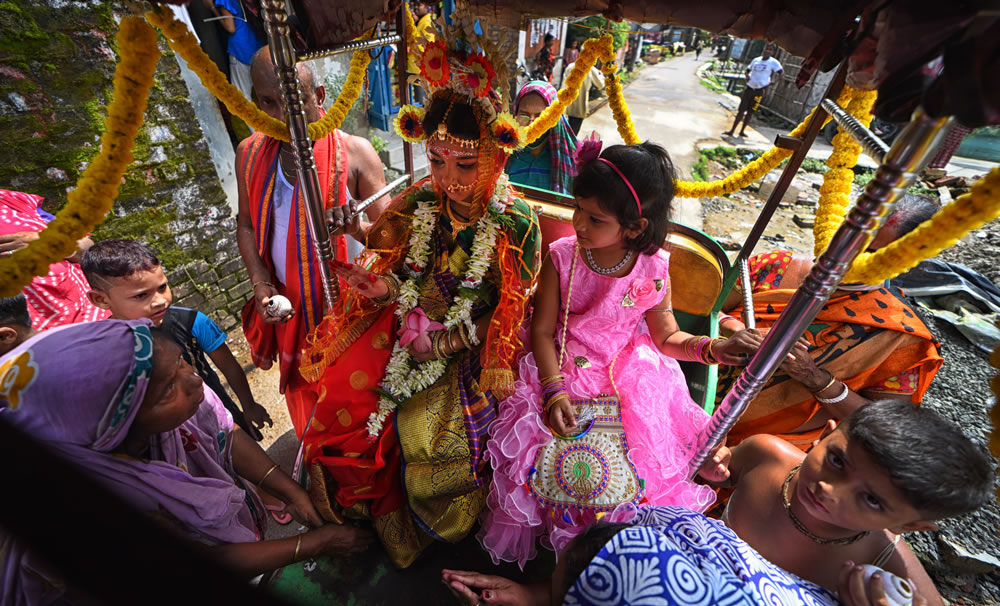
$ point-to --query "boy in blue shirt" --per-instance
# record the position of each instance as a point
(127, 279)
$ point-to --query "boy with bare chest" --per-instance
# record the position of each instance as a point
(889, 468)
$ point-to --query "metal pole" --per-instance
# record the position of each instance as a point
(907, 157)
(350, 47)
(283, 56)
(404, 86)
(869, 141)
(749, 318)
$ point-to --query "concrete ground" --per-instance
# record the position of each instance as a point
(670, 106)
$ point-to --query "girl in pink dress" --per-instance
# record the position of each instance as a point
(619, 275)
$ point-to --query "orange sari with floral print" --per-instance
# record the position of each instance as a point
(869, 340)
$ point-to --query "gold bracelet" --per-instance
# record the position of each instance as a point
(392, 291)
(259, 282)
(464, 337)
(273, 467)
(549, 380)
(298, 544)
(709, 354)
(438, 346)
(833, 380)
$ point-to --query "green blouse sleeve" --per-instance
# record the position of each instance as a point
(527, 237)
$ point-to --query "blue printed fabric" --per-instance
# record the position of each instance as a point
(210, 337)
(673, 556)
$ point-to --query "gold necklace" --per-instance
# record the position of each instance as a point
(456, 223)
(801, 527)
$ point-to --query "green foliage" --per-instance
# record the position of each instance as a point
(699, 171)
(593, 27)
(863, 175)
(712, 83)
(378, 143)
(728, 157)
(921, 190)
(814, 165)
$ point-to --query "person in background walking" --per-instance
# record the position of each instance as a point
(759, 74)
(545, 60)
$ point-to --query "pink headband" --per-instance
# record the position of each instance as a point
(630, 188)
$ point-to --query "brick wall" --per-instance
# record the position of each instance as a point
(56, 63)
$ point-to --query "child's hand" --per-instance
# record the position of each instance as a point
(360, 279)
(715, 469)
(257, 415)
(561, 417)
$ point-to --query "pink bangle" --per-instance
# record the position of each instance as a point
(725, 318)
(700, 349)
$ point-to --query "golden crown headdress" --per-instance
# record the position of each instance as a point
(462, 65)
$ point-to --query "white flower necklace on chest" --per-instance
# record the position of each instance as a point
(404, 376)
(607, 271)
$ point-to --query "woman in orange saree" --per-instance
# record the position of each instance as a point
(865, 343)
(411, 364)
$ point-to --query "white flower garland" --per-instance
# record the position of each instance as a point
(403, 375)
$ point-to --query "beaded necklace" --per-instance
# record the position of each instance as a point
(802, 528)
(607, 271)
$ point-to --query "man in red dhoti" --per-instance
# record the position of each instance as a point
(273, 235)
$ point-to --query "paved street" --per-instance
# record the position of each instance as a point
(669, 106)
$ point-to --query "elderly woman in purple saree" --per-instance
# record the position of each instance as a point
(116, 400)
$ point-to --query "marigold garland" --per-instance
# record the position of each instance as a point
(95, 192)
(623, 118)
(835, 193)
(592, 50)
(967, 212)
(185, 44)
(409, 27)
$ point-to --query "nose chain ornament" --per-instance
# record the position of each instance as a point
(607, 271)
(801, 527)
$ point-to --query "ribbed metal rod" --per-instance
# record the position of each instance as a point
(869, 141)
(283, 56)
(364, 204)
(749, 319)
(350, 47)
(907, 157)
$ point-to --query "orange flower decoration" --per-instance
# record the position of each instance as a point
(434, 64)
(481, 75)
(508, 134)
(409, 123)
